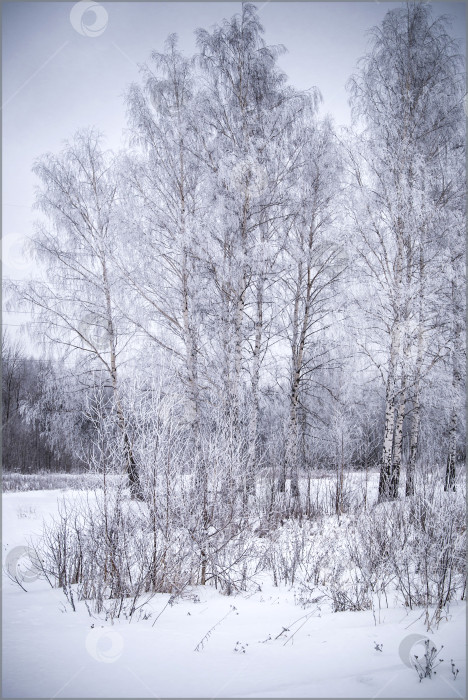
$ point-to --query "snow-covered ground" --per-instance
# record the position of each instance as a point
(51, 651)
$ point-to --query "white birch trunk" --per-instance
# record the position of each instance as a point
(450, 472)
(253, 422)
(386, 466)
(416, 412)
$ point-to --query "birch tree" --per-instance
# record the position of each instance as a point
(408, 98)
(453, 197)
(315, 264)
(75, 302)
(165, 212)
(247, 115)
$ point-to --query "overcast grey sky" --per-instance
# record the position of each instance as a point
(57, 79)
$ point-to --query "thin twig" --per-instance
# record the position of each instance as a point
(204, 639)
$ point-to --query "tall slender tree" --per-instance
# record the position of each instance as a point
(408, 96)
(247, 117)
(76, 304)
(315, 264)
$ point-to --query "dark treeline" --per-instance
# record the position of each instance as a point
(35, 424)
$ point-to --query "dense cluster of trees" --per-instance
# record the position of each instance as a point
(291, 295)
(44, 426)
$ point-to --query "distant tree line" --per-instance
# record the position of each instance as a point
(34, 432)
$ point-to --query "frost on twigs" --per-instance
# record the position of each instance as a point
(94, 331)
(201, 644)
(248, 176)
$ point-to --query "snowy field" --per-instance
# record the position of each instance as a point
(241, 310)
(51, 651)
